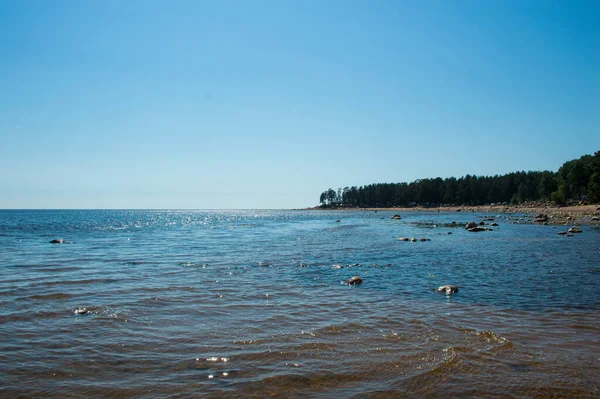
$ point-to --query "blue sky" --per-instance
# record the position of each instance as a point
(265, 104)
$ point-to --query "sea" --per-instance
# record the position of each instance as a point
(247, 303)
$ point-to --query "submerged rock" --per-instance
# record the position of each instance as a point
(447, 289)
(470, 225)
(354, 280)
(265, 264)
(337, 267)
(494, 224)
(60, 241)
(403, 239)
(396, 217)
(81, 311)
(574, 230)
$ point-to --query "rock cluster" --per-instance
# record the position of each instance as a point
(413, 239)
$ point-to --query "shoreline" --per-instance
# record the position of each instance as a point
(568, 215)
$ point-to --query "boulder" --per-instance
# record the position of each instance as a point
(396, 217)
(354, 280)
(595, 218)
(476, 229)
(540, 218)
(404, 239)
(413, 239)
(574, 230)
(470, 225)
(447, 289)
(57, 241)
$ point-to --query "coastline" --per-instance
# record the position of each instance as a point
(568, 215)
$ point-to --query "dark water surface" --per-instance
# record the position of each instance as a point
(246, 304)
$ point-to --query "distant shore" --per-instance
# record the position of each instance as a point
(567, 215)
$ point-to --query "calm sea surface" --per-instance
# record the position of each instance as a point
(247, 304)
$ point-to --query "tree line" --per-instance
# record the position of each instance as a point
(578, 180)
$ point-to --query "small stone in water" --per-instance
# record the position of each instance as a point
(447, 289)
(354, 280)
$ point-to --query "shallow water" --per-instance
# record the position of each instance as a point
(246, 303)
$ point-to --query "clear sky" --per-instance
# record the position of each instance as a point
(265, 104)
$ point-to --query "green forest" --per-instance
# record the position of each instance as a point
(576, 180)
